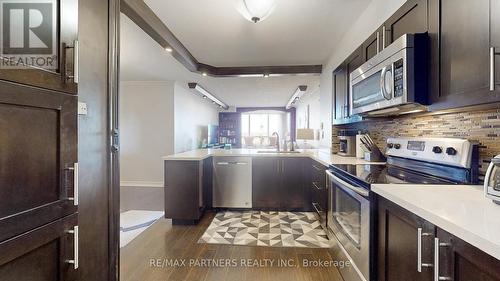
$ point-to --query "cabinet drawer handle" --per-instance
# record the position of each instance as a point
(316, 186)
(437, 245)
(75, 183)
(74, 261)
(316, 168)
(419, 250)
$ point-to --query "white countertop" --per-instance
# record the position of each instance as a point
(321, 155)
(460, 210)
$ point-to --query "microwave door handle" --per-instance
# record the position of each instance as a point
(383, 91)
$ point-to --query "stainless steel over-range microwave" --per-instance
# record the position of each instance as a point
(395, 81)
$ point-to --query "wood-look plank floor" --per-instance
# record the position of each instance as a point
(166, 242)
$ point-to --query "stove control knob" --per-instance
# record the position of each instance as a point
(397, 146)
(437, 149)
(451, 151)
(390, 145)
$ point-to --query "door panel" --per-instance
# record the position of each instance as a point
(339, 92)
(41, 254)
(412, 17)
(462, 262)
(266, 183)
(294, 190)
(60, 76)
(38, 144)
(397, 244)
(495, 38)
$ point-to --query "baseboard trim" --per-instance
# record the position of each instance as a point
(156, 184)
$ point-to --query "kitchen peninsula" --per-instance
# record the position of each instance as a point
(271, 180)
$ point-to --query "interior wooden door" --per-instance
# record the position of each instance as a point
(38, 152)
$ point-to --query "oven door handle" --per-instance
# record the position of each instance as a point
(358, 190)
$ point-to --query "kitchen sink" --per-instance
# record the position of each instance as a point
(280, 152)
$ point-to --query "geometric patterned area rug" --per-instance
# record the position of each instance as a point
(271, 229)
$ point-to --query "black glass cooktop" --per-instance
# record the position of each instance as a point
(386, 174)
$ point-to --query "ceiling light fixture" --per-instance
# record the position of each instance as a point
(257, 10)
(204, 74)
(207, 95)
(169, 49)
(296, 96)
(266, 75)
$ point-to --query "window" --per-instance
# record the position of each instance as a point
(261, 124)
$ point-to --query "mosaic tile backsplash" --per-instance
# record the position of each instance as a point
(480, 126)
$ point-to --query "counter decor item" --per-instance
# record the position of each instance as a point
(492, 180)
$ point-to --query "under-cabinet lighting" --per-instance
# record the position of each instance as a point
(207, 95)
(296, 96)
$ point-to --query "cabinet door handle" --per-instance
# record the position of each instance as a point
(383, 37)
(493, 53)
(378, 42)
(74, 261)
(76, 62)
(437, 245)
(75, 183)
(419, 250)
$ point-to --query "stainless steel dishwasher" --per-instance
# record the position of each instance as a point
(232, 178)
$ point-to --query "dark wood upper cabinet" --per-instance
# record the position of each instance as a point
(412, 17)
(38, 152)
(398, 234)
(372, 45)
(495, 41)
(465, 31)
(60, 50)
(341, 89)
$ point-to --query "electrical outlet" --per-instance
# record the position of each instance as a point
(82, 108)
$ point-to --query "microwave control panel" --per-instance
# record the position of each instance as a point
(398, 78)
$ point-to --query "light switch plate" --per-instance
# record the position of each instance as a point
(82, 108)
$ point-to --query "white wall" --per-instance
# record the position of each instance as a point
(312, 100)
(192, 114)
(146, 130)
(374, 16)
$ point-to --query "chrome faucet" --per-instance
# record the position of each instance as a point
(277, 140)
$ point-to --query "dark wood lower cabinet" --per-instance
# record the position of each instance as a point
(280, 183)
(461, 261)
(41, 254)
(187, 190)
(319, 191)
(398, 248)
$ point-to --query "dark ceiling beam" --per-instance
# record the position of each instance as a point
(148, 21)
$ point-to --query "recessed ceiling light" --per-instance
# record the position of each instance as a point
(204, 73)
(204, 97)
(169, 49)
(266, 75)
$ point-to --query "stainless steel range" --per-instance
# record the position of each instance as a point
(409, 160)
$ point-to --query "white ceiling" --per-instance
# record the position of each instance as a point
(142, 59)
(297, 32)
